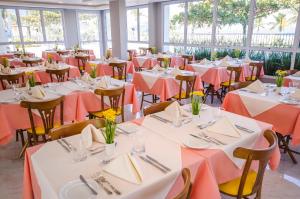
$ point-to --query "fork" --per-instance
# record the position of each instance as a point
(104, 180)
(214, 140)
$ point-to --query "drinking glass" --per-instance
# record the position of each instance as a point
(138, 139)
(218, 112)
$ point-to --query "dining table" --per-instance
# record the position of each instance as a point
(79, 99)
(72, 60)
(215, 72)
(272, 106)
(40, 74)
(168, 149)
(293, 80)
(162, 82)
(103, 68)
(149, 61)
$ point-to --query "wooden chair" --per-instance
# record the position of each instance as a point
(161, 60)
(131, 54)
(185, 193)
(32, 62)
(234, 78)
(46, 110)
(83, 51)
(60, 74)
(283, 142)
(187, 59)
(62, 52)
(189, 82)
(256, 68)
(250, 182)
(144, 51)
(121, 68)
(74, 128)
(12, 79)
(240, 85)
(158, 107)
(82, 60)
(116, 98)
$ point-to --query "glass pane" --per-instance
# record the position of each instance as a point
(7, 48)
(89, 26)
(95, 46)
(173, 25)
(53, 25)
(31, 25)
(199, 53)
(38, 48)
(173, 49)
(136, 46)
(108, 29)
(9, 31)
(232, 22)
(200, 19)
(275, 23)
(144, 24)
(297, 61)
(132, 21)
(109, 44)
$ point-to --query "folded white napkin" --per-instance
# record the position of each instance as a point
(90, 134)
(1, 66)
(296, 95)
(86, 77)
(226, 58)
(257, 87)
(225, 127)
(175, 111)
(104, 82)
(6, 70)
(205, 61)
(126, 168)
(38, 92)
(297, 74)
(51, 66)
(223, 63)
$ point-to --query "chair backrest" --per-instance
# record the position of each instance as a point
(161, 60)
(63, 52)
(131, 54)
(234, 72)
(115, 96)
(158, 107)
(240, 85)
(256, 68)
(121, 69)
(46, 110)
(261, 155)
(144, 51)
(83, 51)
(60, 74)
(189, 85)
(185, 193)
(74, 128)
(187, 59)
(12, 79)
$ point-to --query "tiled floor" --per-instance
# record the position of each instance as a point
(281, 184)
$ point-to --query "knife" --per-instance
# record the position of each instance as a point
(160, 164)
(67, 143)
(244, 129)
(87, 184)
(156, 166)
(64, 146)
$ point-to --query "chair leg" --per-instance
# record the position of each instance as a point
(22, 137)
(143, 95)
(17, 135)
(23, 149)
(286, 147)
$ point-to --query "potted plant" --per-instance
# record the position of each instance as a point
(196, 99)
(31, 80)
(93, 73)
(109, 131)
(49, 58)
(279, 77)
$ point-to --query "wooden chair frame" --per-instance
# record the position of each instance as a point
(185, 193)
(82, 59)
(121, 69)
(60, 74)
(187, 59)
(258, 66)
(158, 107)
(160, 60)
(237, 71)
(189, 85)
(12, 79)
(31, 62)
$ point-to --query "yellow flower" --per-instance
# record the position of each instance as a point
(49, 56)
(281, 73)
(197, 93)
(29, 73)
(109, 115)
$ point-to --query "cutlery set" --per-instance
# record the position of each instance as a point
(160, 118)
(106, 185)
(153, 162)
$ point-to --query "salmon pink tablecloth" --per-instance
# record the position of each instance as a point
(7, 55)
(76, 107)
(104, 69)
(149, 62)
(55, 56)
(284, 118)
(165, 88)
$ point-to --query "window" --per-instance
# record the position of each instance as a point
(108, 29)
(232, 23)
(53, 25)
(31, 25)
(9, 30)
(174, 23)
(275, 23)
(137, 27)
(89, 31)
(200, 20)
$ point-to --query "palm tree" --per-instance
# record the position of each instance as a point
(280, 21)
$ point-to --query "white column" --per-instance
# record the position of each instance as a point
(250, 26)
(296, 42)
(155, 25)
(214, 26)
(118, 20)
(71, 28)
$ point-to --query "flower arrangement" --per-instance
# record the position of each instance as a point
(279, 77)
(93, 73)
(213, 56)
(31, 79)
(76, 48)
(110, 125)
(196, 98)
(108, 53)
(153, 50)
(166, 62)
(49, 58)
(5, 62)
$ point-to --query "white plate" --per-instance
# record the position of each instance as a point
(195, 143)
(77, 190)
